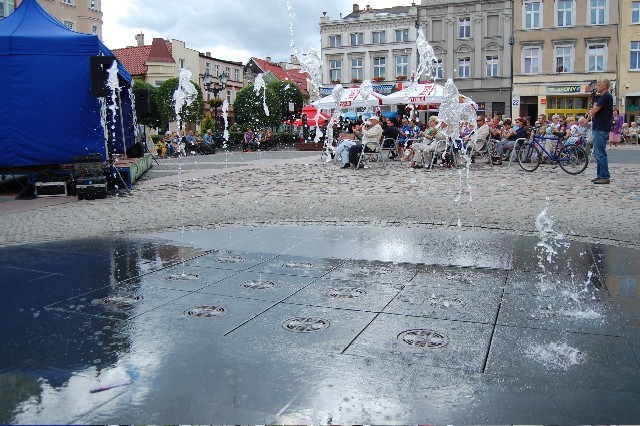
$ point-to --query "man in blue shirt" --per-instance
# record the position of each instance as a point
(601, 115)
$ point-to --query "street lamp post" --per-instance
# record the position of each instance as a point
(215, 88)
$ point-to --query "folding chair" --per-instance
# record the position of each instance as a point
(369, 149)
(514, 151)
(389, 145)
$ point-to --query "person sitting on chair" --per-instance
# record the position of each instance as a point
(161, 146)
(248, 143)
(428, 144)
(391, 132)
(477, 139)
(372, 133)
(270, 140)
(342, 150)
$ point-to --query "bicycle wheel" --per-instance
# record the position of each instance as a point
(529, 157)
(573, 159)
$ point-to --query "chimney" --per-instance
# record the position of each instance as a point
(356, 8)
(207, 54)
(268, 59)
(140, 39)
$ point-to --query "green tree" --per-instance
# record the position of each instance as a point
(248, 108)
(287, 92)
(207, 123)
(166, 106)
(151, 119)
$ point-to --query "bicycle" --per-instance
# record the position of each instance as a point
(571, 158)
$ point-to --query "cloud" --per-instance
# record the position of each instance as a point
(229, 29)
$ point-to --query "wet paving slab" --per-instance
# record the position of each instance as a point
(318, 325)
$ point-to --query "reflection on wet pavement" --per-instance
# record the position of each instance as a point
(317, 325)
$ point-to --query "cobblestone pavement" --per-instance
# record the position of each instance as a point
(272, 188)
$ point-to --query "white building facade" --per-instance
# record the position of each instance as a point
(471, 39)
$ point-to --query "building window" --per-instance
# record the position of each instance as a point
(531, 60)
(335, 41)
(436, 29)
(379, 37)
(402, 66)
(464, 68)
(596, 58)
(532, 15)
(492, 66)
(436, 70)
(92, 4)
(94, 30)
(69, 24)
(207, 67)
(597, 12)
(402, 35)
(229, 96)
(379, 67)
(2, 12)
(217, 68)
(236, 74)
(464, 28)
(182, 63)
(69, 2)
(634, 60)
(564, 59)
(564, 13)
(356, 70)
(335, 70)
(357, 39)
(635, 12)
(493, 26)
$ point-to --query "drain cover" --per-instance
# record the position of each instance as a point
(205, 311)
(230, 259)
(444, 302)
(299, 265)
(182, 277)
(305, 325)
(122, 301)
(346, 293)
(429, 339)
(258, 284)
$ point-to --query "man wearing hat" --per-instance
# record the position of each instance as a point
(372, 132)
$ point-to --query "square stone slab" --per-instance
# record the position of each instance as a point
(259, 285)
(440, 343)
(231, 259)
(299, 332)
(297, 265)
(446, 303)
(121, 302)
(552, 284)
(574, 360)
(202, 314)
(363, 295)
(477, 279)
(357, 271)
(579, 312)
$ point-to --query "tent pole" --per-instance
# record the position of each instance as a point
(124, 139)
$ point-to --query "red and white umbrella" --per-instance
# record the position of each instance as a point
(351, 98)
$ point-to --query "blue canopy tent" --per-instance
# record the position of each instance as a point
(48, 113)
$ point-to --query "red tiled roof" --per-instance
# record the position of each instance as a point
(282, 74)
(135, 58)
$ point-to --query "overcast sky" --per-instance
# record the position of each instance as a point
(230, 29)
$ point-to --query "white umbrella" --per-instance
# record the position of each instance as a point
(421, 94)
(351, 98)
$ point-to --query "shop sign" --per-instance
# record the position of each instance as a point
(481, 106)
(563, 89)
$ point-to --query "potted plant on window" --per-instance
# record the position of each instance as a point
(401, 77)
(356, 80)
(379, 78)
(335, 81)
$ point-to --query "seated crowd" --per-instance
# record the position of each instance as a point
(495, 137)
(174, 145)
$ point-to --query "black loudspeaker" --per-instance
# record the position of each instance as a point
(100, 75)
(143, 101)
